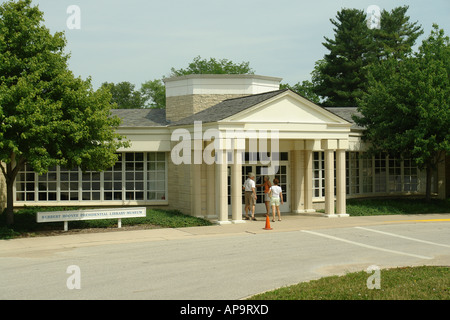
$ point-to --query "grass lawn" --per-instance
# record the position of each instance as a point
(25, 224)
(389, 206)
(410, 283)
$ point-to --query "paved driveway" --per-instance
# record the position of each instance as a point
(216, 265)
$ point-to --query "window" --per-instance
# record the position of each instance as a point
(380, 173)
(26, 184)
(352, 172)
(395, 175)
(156, 176)
(282, 177)
(113, 181)
(69, 186)
(319, 174)
(367, 174)
(410, 181)
(47, 184)
(90, 186)
(135, 176)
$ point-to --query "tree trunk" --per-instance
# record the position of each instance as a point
(12, 169)
(9, 212)
(429, 172)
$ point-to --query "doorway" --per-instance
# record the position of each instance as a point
(282, 175)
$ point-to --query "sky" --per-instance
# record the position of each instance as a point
(141, 40)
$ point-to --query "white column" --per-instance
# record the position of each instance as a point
(210, 190)
(310, 147)
(308, 181)
(329, 182)
(196, 196)
(329, 146)
(236, 187)
(221, 187)
(340, 184)
(298, 181)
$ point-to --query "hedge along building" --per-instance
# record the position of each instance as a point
(184, 158)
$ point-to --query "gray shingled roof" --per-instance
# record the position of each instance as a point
(141, 117)
(227, 108)
(220, 111)
(346, 114)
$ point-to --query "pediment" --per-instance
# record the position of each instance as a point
(287, 107)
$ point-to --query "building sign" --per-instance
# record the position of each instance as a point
(116, 213)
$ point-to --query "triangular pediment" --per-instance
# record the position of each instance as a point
(287, 107)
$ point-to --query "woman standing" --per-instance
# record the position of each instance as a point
(276, 194)
(266, 184)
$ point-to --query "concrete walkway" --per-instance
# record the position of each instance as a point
(39, 245)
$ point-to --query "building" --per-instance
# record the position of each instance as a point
(194, 155)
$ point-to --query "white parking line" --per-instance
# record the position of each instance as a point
(367, 246)
(403, 237)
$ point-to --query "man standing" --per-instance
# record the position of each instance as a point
(250, 195)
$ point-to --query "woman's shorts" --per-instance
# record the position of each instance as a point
(266, 197)
(275, 202)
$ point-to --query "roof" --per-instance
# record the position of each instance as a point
(220, 111)
(346, 114)
(228, 108)
(141, 117)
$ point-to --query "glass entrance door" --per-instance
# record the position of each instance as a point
(282, 175)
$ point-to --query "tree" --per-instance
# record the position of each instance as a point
(396, 35)
(304, 89)
(341, 76)
(213, 66)
(48, 117)
(406, 110)
(153, 94)
(124, 96)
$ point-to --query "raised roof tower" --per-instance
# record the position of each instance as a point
(188, 95)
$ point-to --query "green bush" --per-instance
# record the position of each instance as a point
(388, 206)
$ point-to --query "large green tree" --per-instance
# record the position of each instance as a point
(396, 35)
(153, 94)
(406, 110)
(340, 78)
(124, 96)
(48, 116)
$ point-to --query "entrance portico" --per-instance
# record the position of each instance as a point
(303, 129)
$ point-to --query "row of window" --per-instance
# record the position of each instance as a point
(143, 177)
(135, 176)
(379, 174)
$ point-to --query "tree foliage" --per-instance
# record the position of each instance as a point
(124, 96)
(152, 93)
(48, 117)
(396, 35)
(213, 66)
(305, 89)
(406, 110)
(340, 79)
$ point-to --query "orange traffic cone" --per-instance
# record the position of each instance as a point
(267, 223)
